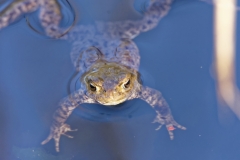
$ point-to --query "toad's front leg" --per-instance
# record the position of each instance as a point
(159, 104)
(56, 131)
(59, 127)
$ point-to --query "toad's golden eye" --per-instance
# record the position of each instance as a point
(127, 84)
(92, 87)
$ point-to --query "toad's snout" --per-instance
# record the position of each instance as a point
(109, 85)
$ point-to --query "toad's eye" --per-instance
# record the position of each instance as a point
(127, 84)
(92, 87)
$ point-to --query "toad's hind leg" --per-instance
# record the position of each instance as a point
(59, 127)
(16, 9)
(130, 28)
(50, 18)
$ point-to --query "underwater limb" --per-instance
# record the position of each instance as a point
(169, 122)
(164, 117)
(56, 132)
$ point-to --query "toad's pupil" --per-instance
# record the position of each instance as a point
(126, 85)
(93, 88)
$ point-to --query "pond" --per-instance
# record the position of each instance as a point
(176, 58)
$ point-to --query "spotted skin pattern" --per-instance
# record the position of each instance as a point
(113, 43)
(68, 104)
(49, 14)
(107, 60)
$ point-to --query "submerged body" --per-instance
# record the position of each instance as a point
(108, 61)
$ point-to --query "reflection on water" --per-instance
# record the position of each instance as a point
(225, 55)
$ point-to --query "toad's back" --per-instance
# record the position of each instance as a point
(113, 39)
(92, 42)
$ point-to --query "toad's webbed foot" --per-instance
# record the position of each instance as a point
(56, 133)
(169, 122)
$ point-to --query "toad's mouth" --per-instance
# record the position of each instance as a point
(112, 102)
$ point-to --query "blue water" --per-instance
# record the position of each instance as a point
(176, 58)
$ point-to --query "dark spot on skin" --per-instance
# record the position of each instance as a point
(149, 22)
(133, 32)
(163, 111)
(163, 117)
(144, 27)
